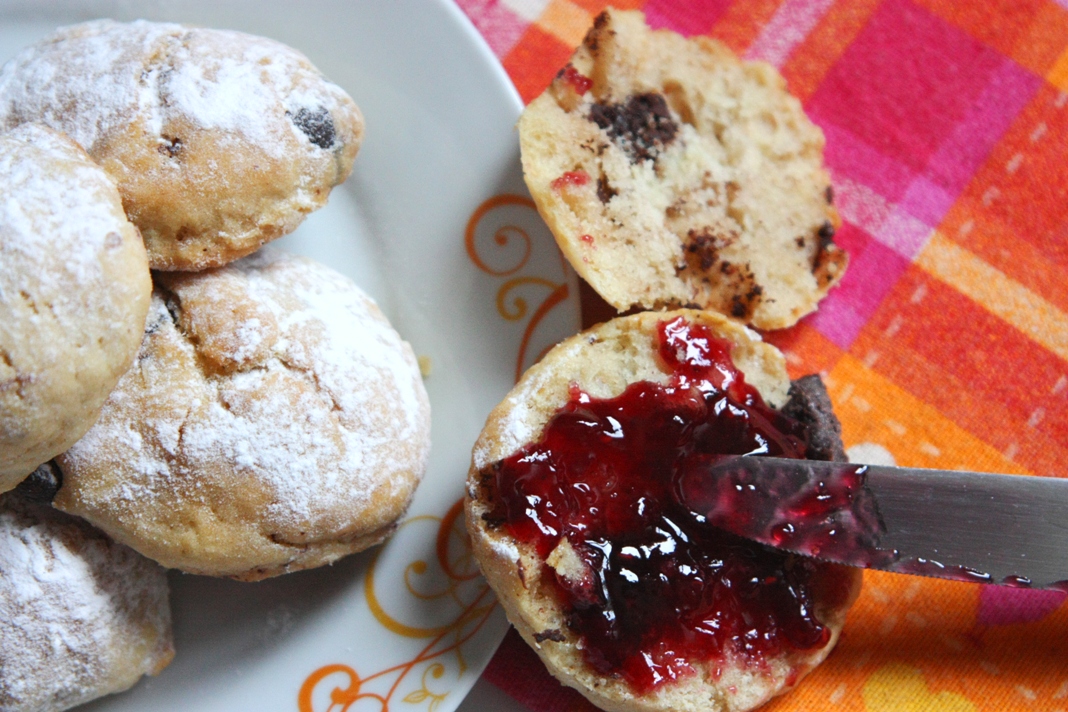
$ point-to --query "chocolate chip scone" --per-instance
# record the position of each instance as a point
(74, 291)
(672, 173)
(273, 421)
(219, 141)
(625, 593)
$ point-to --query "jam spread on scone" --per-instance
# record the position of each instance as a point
(647, 584)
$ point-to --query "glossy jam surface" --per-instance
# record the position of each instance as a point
(648, 585)
(826, 513)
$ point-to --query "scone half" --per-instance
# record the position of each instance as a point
(536, 579)
(674, 174)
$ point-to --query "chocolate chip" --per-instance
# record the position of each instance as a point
(316, 125)
(42, 484)
(642, 126)
(826, 232)
(552, 634)
(605, 191)
(829, 195)
(704, 246)
(825, 244)
(739, 308)
(174, 309)
(171, 146)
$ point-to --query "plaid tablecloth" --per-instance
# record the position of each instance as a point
(946, 345)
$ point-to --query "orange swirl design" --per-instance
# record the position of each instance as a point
(345, 685)
(516, 309)
(502, 236)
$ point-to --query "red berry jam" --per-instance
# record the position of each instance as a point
(570, 178)
(579, 82)
(658, 587)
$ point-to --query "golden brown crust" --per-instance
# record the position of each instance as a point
(74, 291)
(274, 421)
(671, 173)
(603, 361)
(219, 141)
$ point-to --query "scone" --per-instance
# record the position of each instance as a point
(219, 141)
(274, 421)
(625, 594)
(672, 173)
(74, 291)
(80, 616)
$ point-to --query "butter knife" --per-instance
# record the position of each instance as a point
(967, 526)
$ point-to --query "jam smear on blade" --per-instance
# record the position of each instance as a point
(648, 584)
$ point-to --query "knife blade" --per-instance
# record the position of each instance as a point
(967, 526)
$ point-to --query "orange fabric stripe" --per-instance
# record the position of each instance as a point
(873, 409)
(742, 23)
(806, 350)
(814, 57)
(947, 351)
(1032, 32)
(535, 60)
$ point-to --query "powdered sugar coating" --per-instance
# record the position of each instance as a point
(74, 289)
(80, 616)
(279, 411)
(93, 79)
(205, 131)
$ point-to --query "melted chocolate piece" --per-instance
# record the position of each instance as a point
(826, 234)
(316, 125)
(42, 484)
(657, 586)
(605, 191)
(642, 126)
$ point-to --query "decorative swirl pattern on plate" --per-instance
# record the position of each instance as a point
(346, 686)
(504, 237)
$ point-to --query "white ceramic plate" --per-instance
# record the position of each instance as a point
(435, 223)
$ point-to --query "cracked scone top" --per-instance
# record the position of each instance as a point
(671, 173)
(273, 421)
(219, 141)
(80, 616)
(74, 291)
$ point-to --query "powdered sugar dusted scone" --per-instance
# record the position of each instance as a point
(219, 141)
(624, 593)
(80, 616)
(74, 291)
(671, 173)
(274, 421)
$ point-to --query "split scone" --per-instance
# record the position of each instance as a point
(74, 292)
(219, 141)
(273, 421)
(625, 593)
(672, 173)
